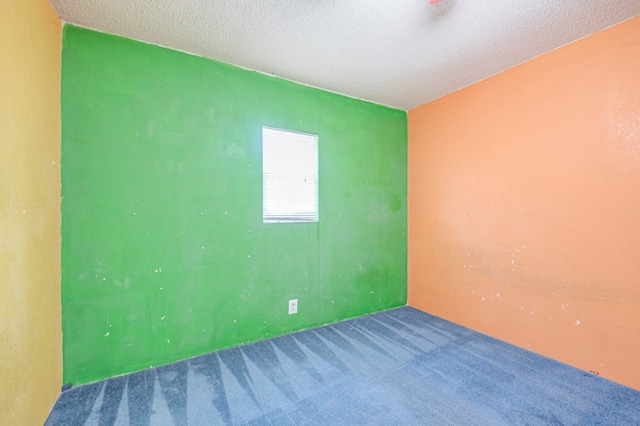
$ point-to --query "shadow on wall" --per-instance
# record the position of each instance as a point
(437, 11)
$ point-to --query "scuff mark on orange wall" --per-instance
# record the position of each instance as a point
(524, 205)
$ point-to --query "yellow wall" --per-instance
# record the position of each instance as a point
(30, 325)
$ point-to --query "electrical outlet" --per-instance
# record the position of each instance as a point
(293, 306)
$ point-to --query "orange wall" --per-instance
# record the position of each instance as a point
(30, 324)
(524, 205)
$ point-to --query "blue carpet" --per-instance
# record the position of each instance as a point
(399, 367)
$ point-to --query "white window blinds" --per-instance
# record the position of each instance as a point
(289, 176)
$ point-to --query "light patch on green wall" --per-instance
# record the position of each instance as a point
(164, 252)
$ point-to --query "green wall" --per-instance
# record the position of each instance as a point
(164, 253)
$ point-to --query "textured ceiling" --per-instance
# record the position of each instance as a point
(400, 53)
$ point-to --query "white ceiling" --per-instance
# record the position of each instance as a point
(400, 53)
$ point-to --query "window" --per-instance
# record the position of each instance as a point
(289, 176)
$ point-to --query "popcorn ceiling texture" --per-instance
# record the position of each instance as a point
(400, 53)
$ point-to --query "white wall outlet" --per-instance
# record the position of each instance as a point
(293, 306)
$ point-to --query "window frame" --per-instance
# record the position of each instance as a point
(268, 180)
